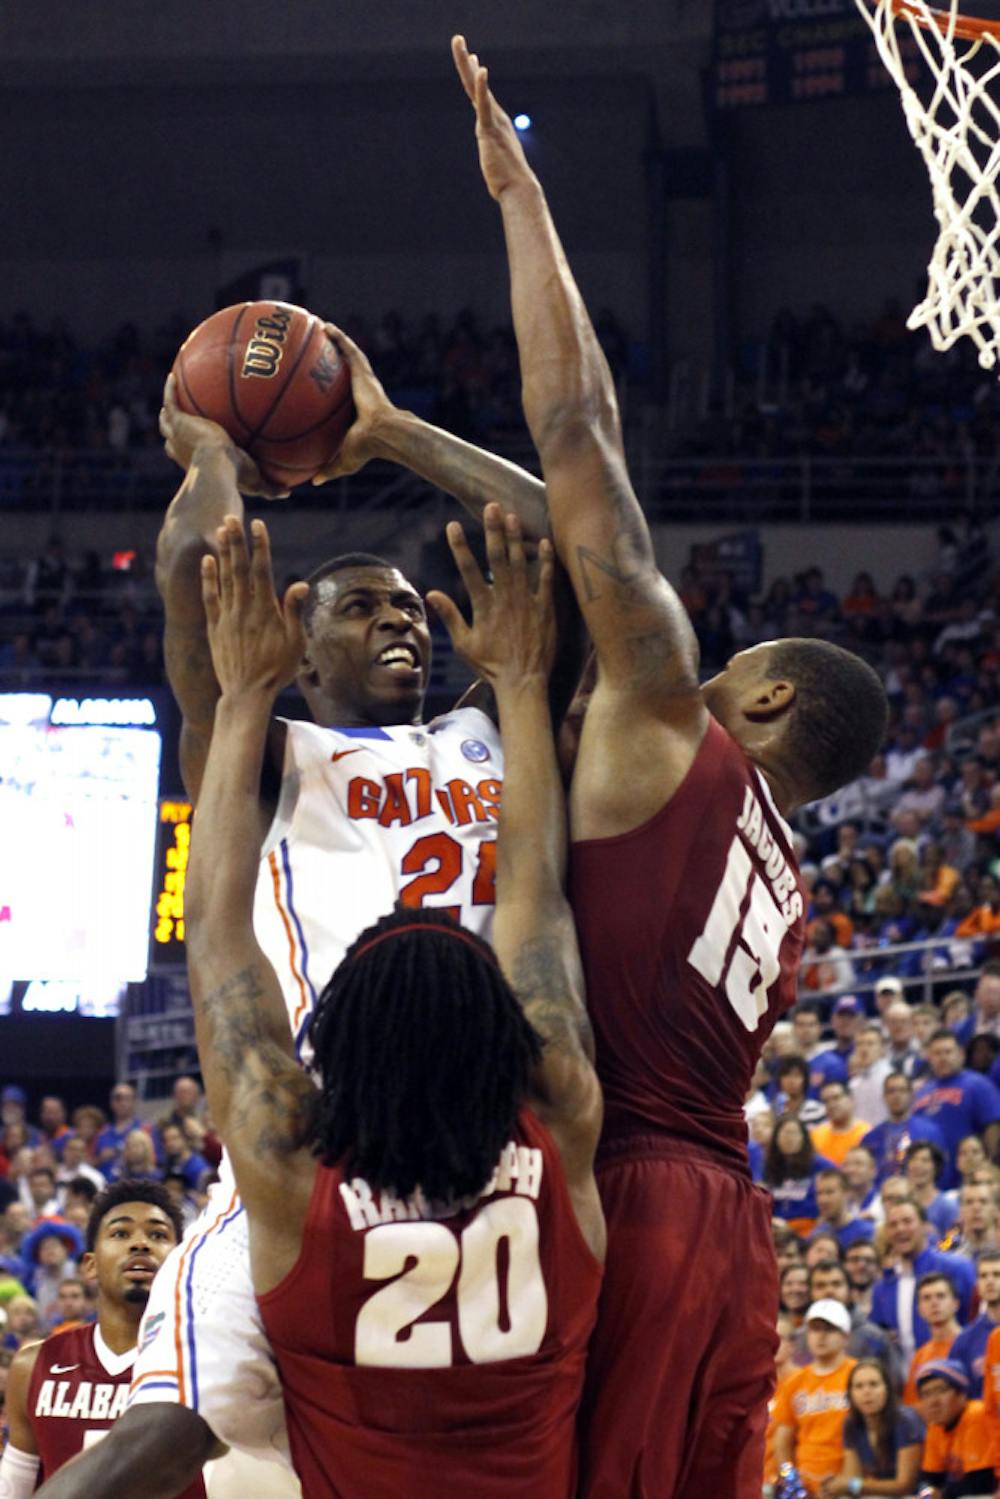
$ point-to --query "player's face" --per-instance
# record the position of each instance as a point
(133, 1241)
(369, 645)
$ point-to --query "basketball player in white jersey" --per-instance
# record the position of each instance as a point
(412, 807)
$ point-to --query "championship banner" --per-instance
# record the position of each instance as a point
(786, 51)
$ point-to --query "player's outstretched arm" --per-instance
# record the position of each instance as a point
(510, 643)
(20, 1462)
(472, 476)
(215, 474)
(642, 635)
(255, 1089)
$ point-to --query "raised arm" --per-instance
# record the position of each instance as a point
(472, 476)
(216, 472)
(258, 1096)
(509, 643)
(644, 641)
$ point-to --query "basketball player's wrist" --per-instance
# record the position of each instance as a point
(244, 702)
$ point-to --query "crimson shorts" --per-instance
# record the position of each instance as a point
(681, 1365)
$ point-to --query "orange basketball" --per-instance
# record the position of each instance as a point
(267, 372)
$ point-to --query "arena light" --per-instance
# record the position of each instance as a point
(522, 122)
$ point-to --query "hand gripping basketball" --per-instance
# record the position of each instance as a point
(371, 404)
(257, 641)
(183, 435)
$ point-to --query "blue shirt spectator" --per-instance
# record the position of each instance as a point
(894, 1302)
(969, 1348)
(790, 1171)
(958, 1101)
(889, 1142)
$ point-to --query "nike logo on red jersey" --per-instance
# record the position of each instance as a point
(339, 755)
(63, 1368)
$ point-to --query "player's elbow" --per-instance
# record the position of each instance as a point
(573, 418)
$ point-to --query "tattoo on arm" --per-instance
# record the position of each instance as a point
(540, 979)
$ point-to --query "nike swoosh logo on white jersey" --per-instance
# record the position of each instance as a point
(63, 1368)
(339, 754)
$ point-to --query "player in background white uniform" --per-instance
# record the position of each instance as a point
(415, 804)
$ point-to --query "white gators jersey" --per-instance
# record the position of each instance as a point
(368, 817)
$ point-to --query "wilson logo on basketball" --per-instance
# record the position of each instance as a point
(264, 349)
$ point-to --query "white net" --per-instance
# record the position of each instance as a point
(954, 120)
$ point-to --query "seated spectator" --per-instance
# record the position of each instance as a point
(846, 1019)
(73, 1307)
(861, 1264)
(811, 1403)
(783, 1366)
(910, 1257)
(38, 1192)
(937, 1304)
(791, 1080)
(924, 1166)
(793, 1293)
(985, 1016)
(52, 1118)
(188, 1109)
(822, 1246)
(921, 795)
(836, 1215)
(842, 1130)
(958, 1449)
(903, 1049)
(826, 966)
(787, 1245)
(138, 1158)
(829, 1279)
(959, 1102)
(869, 1070)
(926, 1020)
(824, 908)
(790, 1170)
(984, 919)
(180, 1159)
(938, 880)
(889, 1141)
(24, 1325)
(978, 1220)
(971, 1159)
(956, 1014)
(969, 1348)
(74, 1165)
(860, 1171)
(825, 1065)
(112, 1137)
(88, 1121)
(52, 1251)
(882, 1440)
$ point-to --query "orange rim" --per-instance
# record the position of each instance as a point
(969, 28)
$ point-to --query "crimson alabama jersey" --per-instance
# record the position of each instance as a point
(367, 817)
(691, 930)
(424, 1356)
(78, 1389)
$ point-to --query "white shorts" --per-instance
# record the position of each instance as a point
(201, 1340)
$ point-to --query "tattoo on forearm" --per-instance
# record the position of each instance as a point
(540, 980)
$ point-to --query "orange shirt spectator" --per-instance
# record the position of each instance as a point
(981, 922)
(834, 1142)
(810, 1405)
(935, 1349)
(960, 1441)
(991, 1391)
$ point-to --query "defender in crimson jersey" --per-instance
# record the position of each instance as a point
(66, 1393)
(687, 901)
(426, 1237)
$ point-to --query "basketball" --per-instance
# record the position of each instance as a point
(268, 374)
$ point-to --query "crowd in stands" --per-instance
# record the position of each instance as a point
(50, 1173)
(814, 385)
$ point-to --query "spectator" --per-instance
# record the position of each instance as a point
(829, 1279)
(984, 919)
(783, 1366)
(842, 1131)
(825, 966)
(823, 1245)
(824, 1065)
(38, 1193)
(792, 1081)
(971, 1159)
(924, 1166)
(910, 1257)
(869, 1070)
(958, 1448)
(903, 1053)
(793, 1292)
(824, 908)
(790, 1170)
(969, 1348)
(112, 1137)
(787, 1245)
(860, 1171)
(810, 1406)
(978, 1218)
(181, 1160)
(52, 1118)
(922, 794)
(53, 1249)
(13, 1111)
(958, 843)
(138, 1158)
(24, 1324)
(836, 1215)
(861, 1264)
(937, 1305)
(188, 1106)
(959, 1102)
(74, 1165)
(73, 1308)
(88, 1121)
(882, 1440)
(985, 1017)
(846, 1020)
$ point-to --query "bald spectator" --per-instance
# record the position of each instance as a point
(842, 1129)
(902, 1048)
(958, 1101)
(910, 1257)
(869, 1070)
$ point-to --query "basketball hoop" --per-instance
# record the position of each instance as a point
(956, 128)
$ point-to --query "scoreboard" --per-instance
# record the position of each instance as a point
(787, 51)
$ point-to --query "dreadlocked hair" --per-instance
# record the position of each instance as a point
(424, 1055)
